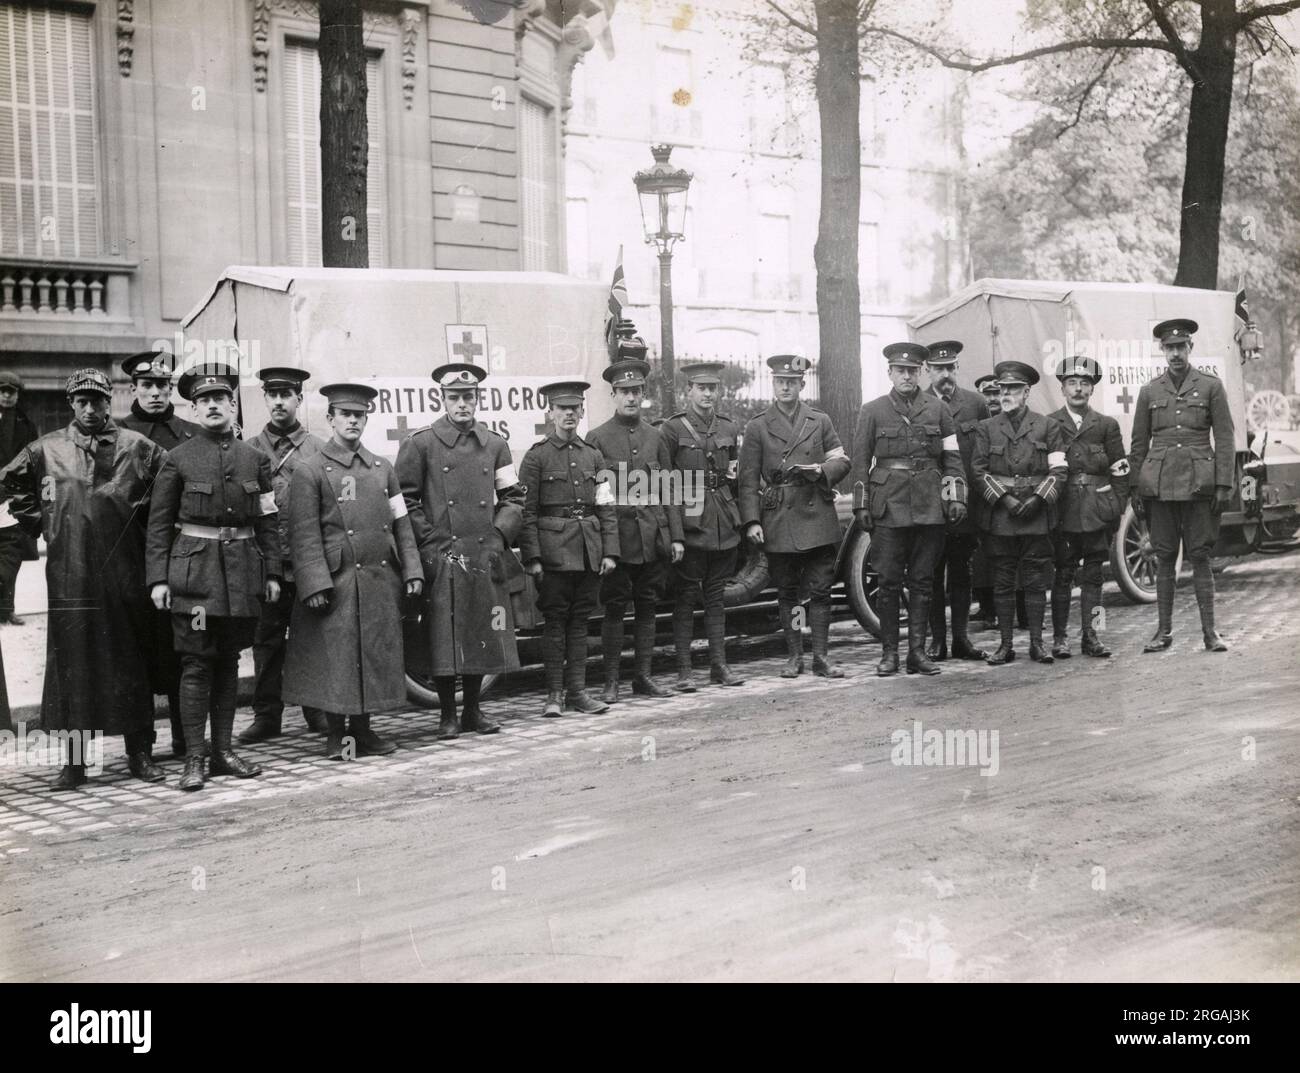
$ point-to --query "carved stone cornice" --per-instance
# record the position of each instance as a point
(406, 24)
(412, 20)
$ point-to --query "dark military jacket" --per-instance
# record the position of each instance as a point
(1096, 490)
(569, 519)
(649, 521)
(214, 480)
(1019, 461)
(968, 408)
(917, 462)
(706, 455)
(797, 513)
(1172, 454)
(287, 451)
(165, 429)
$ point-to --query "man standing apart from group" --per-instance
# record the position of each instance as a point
(908, 482)
(16, 432)
(353, 553)
(649, 531)
(789, 464)
(213, 557)
(1184, 482)
(703, 445)
(1019, 466)
(569, 541)
(86, 489)
(960, 538)
(1095, 494)
(287, 444)
(466, 510)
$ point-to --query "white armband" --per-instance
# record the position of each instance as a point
(505, 477)
(604, 495)
(835, 452)
(1055, 459)
(266, 503)
(950, 443)
(1120, 468)
(397, 504)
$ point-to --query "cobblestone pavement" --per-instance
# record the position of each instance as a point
(1258, 600)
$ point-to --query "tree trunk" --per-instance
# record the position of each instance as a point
(344, 139)
(839, 372)
(1207, 143)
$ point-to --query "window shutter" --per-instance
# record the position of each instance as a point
(537, 174)
(49, 183)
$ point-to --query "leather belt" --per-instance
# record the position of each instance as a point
(712, 480)
(907, 463)
(573, 510)
(1021, 481)
(217, 532)
(1086, 479)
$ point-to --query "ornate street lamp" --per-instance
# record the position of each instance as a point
(663, 190)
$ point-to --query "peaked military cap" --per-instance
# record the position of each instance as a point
(151, 364)
(944, 353)
(1088, 368)
(459, 374)
(1179, 330)
(360, 395)
(284, 376)
(1011, 373)
(908, 355)
(788, 364)
(207, 377)
(566, 392)
(987, 384)
(702, 372)
(630, 372)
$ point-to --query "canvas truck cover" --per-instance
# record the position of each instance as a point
(1040, 322)
(391, 328)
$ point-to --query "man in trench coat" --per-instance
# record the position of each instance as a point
(16, 546)
(86, 487)
(353, 553)
(466, 508)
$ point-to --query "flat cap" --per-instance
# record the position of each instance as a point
(89, 380)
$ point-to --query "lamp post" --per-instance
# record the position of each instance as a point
(662, 190)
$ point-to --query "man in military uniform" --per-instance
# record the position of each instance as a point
(1019, 466)
(703, 445)
(961, 538)
(84, 488)
(1094, 498)
(907, 481)
(466, 508)
(981, 575)
(213, 556)
(1183, 482)
(649, 531)
(789, 463)
(287, 444)
(16, 546)
(569, 541)
(353, 556)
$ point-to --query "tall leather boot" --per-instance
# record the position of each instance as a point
(1006, 608)
(715, 622)
(448, 723)
(553, 659)
(819, 618)
(368, 742)
(177, 725)
(1035, 608)
(918, 621)
(1062, 587)
(472, 717)
(575, 658)
(195, 687)
(937, 650)
(1089, 601)
(611, 647)
(793, 641)
(683, 630)
(1203, 582)
(335, 724)
(887, 605)
(1166, 587)
(961, 642)
(224, 761)
(644, 638)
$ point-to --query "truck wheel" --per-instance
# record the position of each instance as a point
(860, 582)
(1133, 560)
(421, 693)
(748, 582)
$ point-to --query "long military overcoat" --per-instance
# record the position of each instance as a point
(88, 495)
(350, 537)
(466, 509)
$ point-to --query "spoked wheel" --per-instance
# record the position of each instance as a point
(861, 582)
(1133, 559)
(421, 693)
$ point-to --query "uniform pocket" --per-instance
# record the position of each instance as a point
(1202, 472)
(198, 498)
(1197, 414)
(878, 494)
(1108, 506)
(183, 567)
(252, 492)
(1149, 477)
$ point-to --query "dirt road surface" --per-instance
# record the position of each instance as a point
(1138, 822)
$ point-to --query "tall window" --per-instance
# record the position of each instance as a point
(49, 186)
(302, 156)
(537, 186)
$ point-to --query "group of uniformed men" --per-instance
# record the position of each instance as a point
(310, 552)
